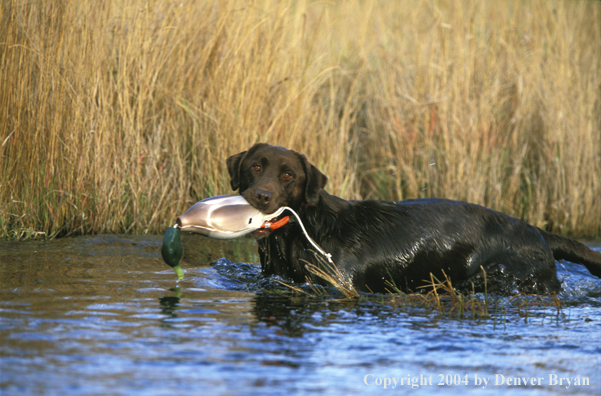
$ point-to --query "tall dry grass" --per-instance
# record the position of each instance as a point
(115, 116)
(491, 102)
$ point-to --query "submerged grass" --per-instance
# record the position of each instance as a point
(442, 299)
(116, 116)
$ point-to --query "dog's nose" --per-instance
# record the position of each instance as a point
(263, 197)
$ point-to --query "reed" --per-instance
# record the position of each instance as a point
(116, 116)
(442, 299)
(330, 273)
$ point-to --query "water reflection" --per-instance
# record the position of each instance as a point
(104, 315)
(169, 306)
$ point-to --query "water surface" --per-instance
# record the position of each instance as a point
(103, 315)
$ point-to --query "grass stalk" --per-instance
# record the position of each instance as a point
(117, 116)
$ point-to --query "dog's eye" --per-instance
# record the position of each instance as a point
(257, 168)
(287, 176)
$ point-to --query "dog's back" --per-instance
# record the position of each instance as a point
(384, 245)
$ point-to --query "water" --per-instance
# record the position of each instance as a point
(104, 315)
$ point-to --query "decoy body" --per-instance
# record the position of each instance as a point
(220, 217)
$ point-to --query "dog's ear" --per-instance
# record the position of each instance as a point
(233, 168)
(315, 181)
(234, 163)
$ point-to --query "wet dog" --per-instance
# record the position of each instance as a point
(381, 246)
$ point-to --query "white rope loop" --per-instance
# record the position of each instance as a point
(315, 245)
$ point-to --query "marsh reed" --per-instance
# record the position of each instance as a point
(436, 296)
(116, 116)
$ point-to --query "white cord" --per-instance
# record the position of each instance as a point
(315, 245)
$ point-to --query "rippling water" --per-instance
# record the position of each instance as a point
(104, 315)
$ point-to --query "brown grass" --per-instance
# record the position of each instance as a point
(442, 299)
(115, 116)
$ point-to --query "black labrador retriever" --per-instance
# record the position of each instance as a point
(376, 244)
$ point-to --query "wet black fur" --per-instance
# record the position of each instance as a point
(379, 243)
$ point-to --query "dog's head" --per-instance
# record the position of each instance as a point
(270, 177)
